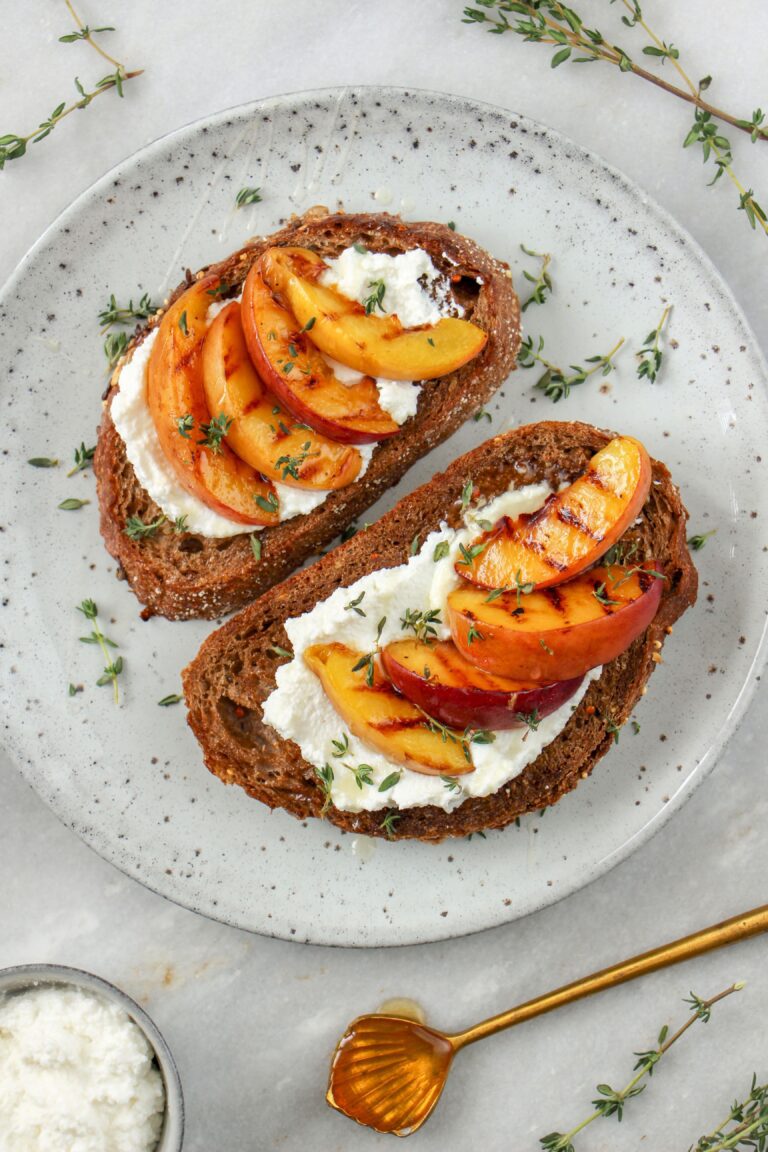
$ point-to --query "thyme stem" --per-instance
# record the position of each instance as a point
(615, 1101)
(83, 28)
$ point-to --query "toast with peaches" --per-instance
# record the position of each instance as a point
(261, 418)
(468, 658)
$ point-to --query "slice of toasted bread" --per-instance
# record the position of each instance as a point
(234, 671)
(187, 575)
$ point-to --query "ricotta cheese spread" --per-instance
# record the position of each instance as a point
(75, 1073)
(299, 709)
(133, 421)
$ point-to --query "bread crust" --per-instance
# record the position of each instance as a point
(234, 672)
(187, 575)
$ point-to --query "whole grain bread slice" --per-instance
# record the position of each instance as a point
(234, 671)
(187, 575)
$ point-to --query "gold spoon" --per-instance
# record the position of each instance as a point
(388, 1071)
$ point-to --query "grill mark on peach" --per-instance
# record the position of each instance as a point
(399, 724)
(593, 477)
(539, 550)
(567, 516)
(555, 598)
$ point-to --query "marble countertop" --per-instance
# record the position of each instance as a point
(250, 1020)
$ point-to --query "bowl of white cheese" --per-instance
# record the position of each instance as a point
(82, 1066)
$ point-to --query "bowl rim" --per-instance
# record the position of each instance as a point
(30, 976)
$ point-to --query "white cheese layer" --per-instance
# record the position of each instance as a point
(299, 709)
(75, 1073)
(400, 398)
(414, 290)
(133, 421)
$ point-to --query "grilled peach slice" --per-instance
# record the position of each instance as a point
(301, 378)
(190, 435)
(380, 717)
(437, 678)
(556, 633)
(262, 433)
(373, 344)
(572, 530)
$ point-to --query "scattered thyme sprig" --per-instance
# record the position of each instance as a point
(699, 541)
(376, 298)
(389, 823)
(746, 1125)
(114, 314)
(551, 22)
(650, 355)
(83, 457)
(112, 668)
(214, 432)
(248, 196)
(555, 383)
(612, 1102)
(368, 661)
(291, 465)
(114, 347)
(13, 146)
(325, 777)
(542, 284)
(138, 529)
(422, 623)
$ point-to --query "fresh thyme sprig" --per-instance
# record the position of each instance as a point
(746, 1125)
(389, 823)
(530, 719)
(83, 457)
(612, 1102)
(650, 355)
(214, 432)
(551, 22)
(422, 623)
(368, 661)
(354, 605)
(291, 465)
(325, 778)
(114, 347)
(112, 668)
(138, 529)
(248, 196)
(13, 146)
(699, 541)
(376, 298)
(542, 284)
(114, 314)
(555, 382)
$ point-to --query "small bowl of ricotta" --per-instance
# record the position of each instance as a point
(82, 1066)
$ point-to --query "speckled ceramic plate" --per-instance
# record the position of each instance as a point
(130, 779)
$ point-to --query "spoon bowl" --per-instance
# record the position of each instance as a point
(388, 1073)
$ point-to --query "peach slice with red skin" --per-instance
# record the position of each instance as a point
(176, 399)
(381, 717)
(291, 366)
(262, 433)
(555, 633)
(572, 530)
(373, 344)
(437, 678)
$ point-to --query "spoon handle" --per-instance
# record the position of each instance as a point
(717, 936)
